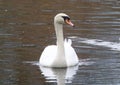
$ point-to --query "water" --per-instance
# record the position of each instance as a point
(26, 28)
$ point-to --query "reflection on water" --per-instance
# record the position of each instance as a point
(61, 76)
(26, 28)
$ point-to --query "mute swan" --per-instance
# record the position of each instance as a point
(62, 54)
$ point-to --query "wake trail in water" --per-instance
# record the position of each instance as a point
(112, 45)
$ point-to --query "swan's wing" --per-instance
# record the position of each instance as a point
(70, 53)
(48, 55)
(68, 41)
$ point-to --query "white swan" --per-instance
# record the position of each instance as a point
(62, 54)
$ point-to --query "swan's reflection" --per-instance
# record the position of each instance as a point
(59, 75)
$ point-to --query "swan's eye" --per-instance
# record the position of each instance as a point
(66, 18)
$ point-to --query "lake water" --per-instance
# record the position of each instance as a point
(26, 28)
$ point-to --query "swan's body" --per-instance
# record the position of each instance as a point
(62, 54)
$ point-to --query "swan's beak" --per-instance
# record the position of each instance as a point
(69, 22)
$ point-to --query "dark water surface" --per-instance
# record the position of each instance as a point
(26, 28)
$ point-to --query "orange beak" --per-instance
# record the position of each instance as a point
(69, 22)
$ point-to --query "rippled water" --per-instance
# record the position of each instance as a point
(26, 28)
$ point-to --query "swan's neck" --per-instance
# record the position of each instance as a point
(60, 44)
(59, 35)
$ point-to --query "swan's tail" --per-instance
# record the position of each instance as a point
(68, 41)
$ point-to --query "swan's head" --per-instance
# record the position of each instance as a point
(62, 18)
